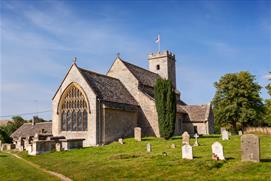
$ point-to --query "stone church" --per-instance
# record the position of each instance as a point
(102, 108)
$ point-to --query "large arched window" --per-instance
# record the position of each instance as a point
(74, 116)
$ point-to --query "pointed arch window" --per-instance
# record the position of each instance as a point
(73, 109)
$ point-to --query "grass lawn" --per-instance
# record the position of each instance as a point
(131, 161)
(12, 168)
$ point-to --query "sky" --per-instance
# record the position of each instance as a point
(209, 38)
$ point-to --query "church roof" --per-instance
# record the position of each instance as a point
(144, 76)
(27, 129)
(108, 89)
(197, 113)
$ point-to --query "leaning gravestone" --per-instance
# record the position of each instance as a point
(121, 141)
(217, 151)
(225, 135)
(149, 147)
(187, 152)
(185, 138)
(250, 146)
(137, 132)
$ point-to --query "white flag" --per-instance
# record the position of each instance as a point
(157, 39)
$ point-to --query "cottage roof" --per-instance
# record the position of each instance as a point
(108, 89)
(27, 129)
(196, 113)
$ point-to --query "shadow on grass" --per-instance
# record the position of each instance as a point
(230, 158)
(210, 136)
(3, 156)
(265, 160)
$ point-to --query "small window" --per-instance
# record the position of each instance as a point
(157, 67)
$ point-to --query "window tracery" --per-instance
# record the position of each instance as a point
(74, 116)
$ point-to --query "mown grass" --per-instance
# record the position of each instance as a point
(12, 169)
(131, 161)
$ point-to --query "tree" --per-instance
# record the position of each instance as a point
(267, 117)
(237, 101)
(165, 101)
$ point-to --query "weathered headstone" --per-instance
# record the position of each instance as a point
(250, 146)
(173, 146)
(185, 138)
(149, 147)
(58, 147)
(137, 132)
(225, 135)
(196, 142)
(121, 141)
(187, 152)
(240, 133)
(222, 129)
(217, 151)
(0, 143)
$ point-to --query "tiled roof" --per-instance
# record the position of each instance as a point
(144, 76)
(197, 113)
(107, 88)
(27, 129)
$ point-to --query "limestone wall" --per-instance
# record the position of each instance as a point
(147, 118)
(118, 124)
(74, 76)
(258, 130)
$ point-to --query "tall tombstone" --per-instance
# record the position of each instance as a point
(58, 147)
(187, 152)
(185, 138)
(217, 151)
(240, 133)
(149, 147)
(137, 132)
(250, 146)
(225, 135)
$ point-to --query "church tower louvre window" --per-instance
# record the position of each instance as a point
(73, 110)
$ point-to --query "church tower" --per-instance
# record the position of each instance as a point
(163, 63)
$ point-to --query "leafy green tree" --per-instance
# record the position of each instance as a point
(237, 101)
(165, 101)
(267, 117)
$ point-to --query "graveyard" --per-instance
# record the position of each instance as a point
(132, 160)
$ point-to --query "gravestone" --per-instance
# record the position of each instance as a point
(250, 146)
(187, 152)
(217, 151)
(196, 142)
(137, 132)
(121, 141)
(240, 133)
(222, 129)
(58, 147)
(0, 143)
(225, 135)
(185, 138)
(149, 147)
(173, 146)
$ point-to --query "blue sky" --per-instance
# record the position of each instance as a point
(209, 38)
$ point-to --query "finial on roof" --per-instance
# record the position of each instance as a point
(74, 60)
(118, 55)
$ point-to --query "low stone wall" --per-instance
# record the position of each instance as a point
(258, 130)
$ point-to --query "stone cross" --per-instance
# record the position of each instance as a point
(187, 152)
(185, 138)
(196, 142)
(250, 146)
(225, 135)
(240, 133)
(137, 132)
(149, 147)
(121, 141)
(217, 151)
